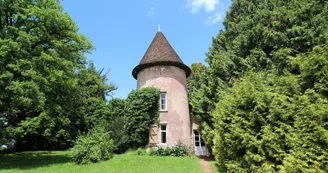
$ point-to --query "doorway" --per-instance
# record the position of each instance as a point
(199, 144)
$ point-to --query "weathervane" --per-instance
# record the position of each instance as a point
(159, 28)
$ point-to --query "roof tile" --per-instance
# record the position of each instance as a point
(160, 52)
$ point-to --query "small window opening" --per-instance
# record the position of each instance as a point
(163, 134)
(163, 101)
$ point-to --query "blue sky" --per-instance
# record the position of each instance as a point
(121, 31)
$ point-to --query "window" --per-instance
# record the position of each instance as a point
(163, 101)
(198, 140)
(163, 133)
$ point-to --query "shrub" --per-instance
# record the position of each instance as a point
(179, 150)
(150, 152)
(140, 152)
(93, 147)
(259, 128)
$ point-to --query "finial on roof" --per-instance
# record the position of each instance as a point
(159, 28)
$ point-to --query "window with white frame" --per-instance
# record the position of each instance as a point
(163, 101)
(163, 133)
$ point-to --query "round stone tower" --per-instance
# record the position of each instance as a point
(162, 68)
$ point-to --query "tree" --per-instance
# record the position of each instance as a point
(44, 82)
(263, 99)
(201, 106)
(193, 81)
(117, 121)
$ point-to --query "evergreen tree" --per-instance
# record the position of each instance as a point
(263, 101)
(193, 81)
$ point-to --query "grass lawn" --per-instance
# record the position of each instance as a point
(215, 167)
(60, 162)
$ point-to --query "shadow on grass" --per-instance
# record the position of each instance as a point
(206, 158)
(216, 167)
(31, 160)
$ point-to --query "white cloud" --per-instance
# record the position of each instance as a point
(196, 5)
(213, 19)
(152, 12)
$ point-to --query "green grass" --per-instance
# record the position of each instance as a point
(60, 162)
(215, 167)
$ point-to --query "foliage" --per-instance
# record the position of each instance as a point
(59, 161)
(46, 90)
(119, 134)
(95, 146)
(112, 114)
(194, 80)
(141, 111)
(116, 108)
(150, 151)
(199, 98)
(258, 128)
(215, 167)
(96, 112)
(116, 124)
(263, 101)
(127, 120)
(178, 150)
(140, 152)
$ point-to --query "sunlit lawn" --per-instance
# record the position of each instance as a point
(60, 162)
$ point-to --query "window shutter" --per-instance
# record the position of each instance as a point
(153, 137)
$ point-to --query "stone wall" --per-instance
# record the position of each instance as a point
(172, 80)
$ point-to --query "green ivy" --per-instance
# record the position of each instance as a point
(141, 111)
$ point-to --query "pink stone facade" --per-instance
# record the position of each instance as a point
(172, 80)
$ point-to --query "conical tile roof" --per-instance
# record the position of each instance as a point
(160, 52)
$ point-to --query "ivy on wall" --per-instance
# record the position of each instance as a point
(140, 112)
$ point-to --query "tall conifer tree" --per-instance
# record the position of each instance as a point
(263, 101)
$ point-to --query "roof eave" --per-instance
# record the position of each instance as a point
(140, 67)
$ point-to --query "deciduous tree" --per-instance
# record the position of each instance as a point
(45, 87)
